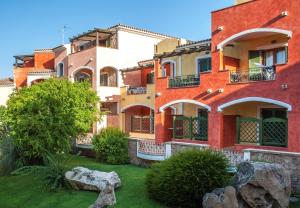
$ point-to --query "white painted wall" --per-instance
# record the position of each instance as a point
(135, 47)
(31, 78)
(5, 91)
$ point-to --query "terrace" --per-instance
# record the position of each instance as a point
(254, 55)
(94, 38)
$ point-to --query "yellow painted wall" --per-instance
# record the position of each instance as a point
(248, 109)
(188, 63)
(168, 45)
(241, 48)
(127, 100)
(241, 1)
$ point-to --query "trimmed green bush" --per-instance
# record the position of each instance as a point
(183, 179)
(111, 146)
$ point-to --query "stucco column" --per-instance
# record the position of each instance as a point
(161, 131)
(221, 54)
(215, 129)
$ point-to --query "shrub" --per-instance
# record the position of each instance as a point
(8, 161)
(46, 116)
(183, 179)
(52, 172)
(111, 146)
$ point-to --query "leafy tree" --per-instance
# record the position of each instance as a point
(47, 116)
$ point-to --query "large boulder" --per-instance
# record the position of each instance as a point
(263, 185)
(91, 180)
(221, 198)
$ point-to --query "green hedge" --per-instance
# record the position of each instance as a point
(111, 146)
(183, 179)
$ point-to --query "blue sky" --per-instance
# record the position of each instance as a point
(33, 24)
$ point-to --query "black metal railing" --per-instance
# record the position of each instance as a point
(253, 75)
(136, 90)
(184, 81)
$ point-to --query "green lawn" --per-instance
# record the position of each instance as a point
(27, 191)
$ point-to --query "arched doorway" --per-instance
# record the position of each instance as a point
(139, 121)
(190, 120)
(255, 121)
(168, 68)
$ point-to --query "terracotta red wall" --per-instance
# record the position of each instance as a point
(44, 60)
(144, 73)
(231, 63)
(256, 14)
(229, 136)
(132, 78)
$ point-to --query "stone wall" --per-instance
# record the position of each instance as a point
(291, 161)
(132, 150)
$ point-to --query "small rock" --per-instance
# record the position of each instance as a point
(221, 198)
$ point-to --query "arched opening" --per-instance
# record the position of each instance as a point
(60, 69)
(168, 68)
(36, 81)
(139, 121)
(252, 55)
(189, 120)
(109, 77)
(83, 75)
(255, 121)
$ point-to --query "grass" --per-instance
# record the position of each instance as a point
(27, 191)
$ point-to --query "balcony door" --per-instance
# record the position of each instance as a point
(254, 60)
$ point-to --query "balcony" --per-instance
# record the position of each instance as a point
(266, 73)
(136, 90)
(184, 81)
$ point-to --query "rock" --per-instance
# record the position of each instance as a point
(91, 180)
(106, 198)
(263, 185)
(221, 198)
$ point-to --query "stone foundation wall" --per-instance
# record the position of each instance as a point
(291, 161)
(132, 151)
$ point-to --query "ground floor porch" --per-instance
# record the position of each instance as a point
(247, 124)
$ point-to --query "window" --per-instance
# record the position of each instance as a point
(281, 56)
(202, 113)
(150, 78)
(203, 65)
(104, 79)
(60, 70)
(273, 113)
(275, 56)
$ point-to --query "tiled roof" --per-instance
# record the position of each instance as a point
(6, 82)
(44, 50)
(139, 29)
(195, 43)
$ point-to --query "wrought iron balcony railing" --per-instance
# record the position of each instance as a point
(253, 75)
(136, 90)
(184, 81)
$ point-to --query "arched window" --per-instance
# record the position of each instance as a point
(60, 70)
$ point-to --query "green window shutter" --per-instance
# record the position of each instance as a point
(204, 65)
